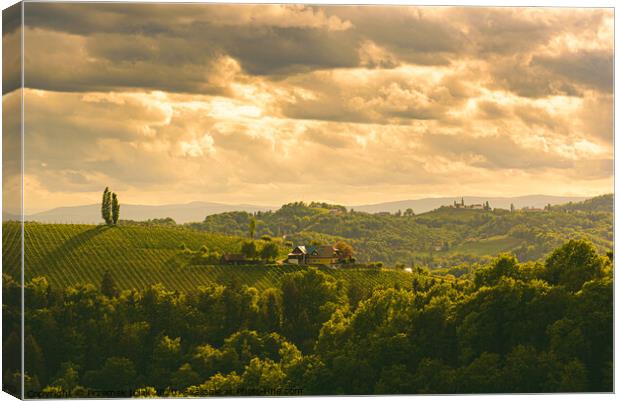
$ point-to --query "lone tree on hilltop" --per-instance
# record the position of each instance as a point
(116, 209)
(110, 208)
(106, 206)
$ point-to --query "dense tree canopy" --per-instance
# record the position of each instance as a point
(512, 327)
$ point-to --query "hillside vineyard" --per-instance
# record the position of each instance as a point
(94, 272)
(230, 200)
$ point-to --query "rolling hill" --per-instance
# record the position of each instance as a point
(142, 256)
(181, 213)
(443, 236)
(429, 204)
(7, 216)
(196, 211)
(139, 256)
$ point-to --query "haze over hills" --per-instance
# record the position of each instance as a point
(428, 204)
(6, 216)
(197, 211)
(181, 213)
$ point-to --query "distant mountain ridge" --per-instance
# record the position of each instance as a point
(428, 204)
(9, 216)
(197, 211)
(181, 213)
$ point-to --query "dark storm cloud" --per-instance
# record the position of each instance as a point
(407, 32)
(279, 51)
(593, 69)
(134, 46)
(89, 18)
(11, 18)
(411, 35)
(564, 74)
(11, 48)
(174, 47)
(525, 79)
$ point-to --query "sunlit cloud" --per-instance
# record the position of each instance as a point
(268, 104)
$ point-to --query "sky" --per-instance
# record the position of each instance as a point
(267, 104)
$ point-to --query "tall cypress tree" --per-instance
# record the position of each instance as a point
(106, 206)
(116, 209)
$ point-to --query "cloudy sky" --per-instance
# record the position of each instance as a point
(268, 104)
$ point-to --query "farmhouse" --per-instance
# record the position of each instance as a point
(315, 255)
(298, 256)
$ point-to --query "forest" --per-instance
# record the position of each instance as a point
(506, 327)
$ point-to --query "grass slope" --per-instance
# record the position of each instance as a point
(141, 256)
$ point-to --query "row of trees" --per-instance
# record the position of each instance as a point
(268, 252)
(110, 207)
(545, 327)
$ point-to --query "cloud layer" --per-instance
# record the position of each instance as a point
(270, 103)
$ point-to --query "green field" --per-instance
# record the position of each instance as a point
(138, 257)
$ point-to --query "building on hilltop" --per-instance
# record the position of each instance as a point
(324, 255)
(462, 205)
(298, 256)
(315, 255)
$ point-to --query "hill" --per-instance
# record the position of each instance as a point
(603, 203)
(429, 204)
(445, 236)
(181, 213)
(196, 211)
(142, 256)
(7, 216)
